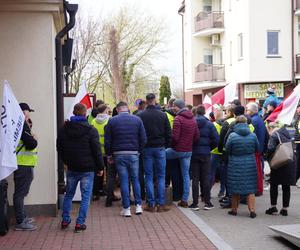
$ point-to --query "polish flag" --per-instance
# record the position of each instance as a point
(285, 112)
(83, 97)
(225, 95)
(207, 104)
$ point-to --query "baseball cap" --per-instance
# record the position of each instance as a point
(25, 106)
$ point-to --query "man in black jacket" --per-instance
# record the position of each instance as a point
(79, 147)
(158, 132)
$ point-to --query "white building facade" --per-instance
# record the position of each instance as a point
(253, 43)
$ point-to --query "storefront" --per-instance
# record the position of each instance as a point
(257, 92)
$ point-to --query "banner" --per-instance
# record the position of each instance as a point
(12, 120)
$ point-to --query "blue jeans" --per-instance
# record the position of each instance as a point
(185, 160)
(128, 167)
(155, 164)
(217, 164)
(86, 180)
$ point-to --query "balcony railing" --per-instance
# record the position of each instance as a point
(205, 20)
(210, 72)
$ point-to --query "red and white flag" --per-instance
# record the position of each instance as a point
(207, 104)
(225, 95)
(83, 97)
(285, 112)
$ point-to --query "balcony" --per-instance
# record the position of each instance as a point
(210, 72)
(297, 8)
(208, 23)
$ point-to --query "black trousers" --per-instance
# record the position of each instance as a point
(201, 172)
(111, 175)
(286, 194)
(99, 180)
(23, 177)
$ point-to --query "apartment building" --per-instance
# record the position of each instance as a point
(254, 43)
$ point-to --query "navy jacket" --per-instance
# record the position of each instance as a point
(260, 131)
(124, 132)
(208, 139)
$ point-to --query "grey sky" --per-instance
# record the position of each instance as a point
(171, 64)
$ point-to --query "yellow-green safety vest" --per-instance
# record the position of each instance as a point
(100, 128)
(231, 120)
(171, 119)
(218, 128)
(90, 119)
(26, 157)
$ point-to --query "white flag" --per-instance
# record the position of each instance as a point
(12, 120)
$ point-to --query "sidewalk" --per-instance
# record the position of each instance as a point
(106, 229)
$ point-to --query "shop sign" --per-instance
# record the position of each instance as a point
(259, 91)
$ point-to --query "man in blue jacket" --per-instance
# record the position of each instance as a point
(201, 159)
(125, 138)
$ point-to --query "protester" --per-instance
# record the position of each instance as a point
(201, 159)
(216, 155)
(285, 175)
(141, 107)
(125, 138)
(100, 123)
(297, 141)
(94, 111)
(26, 159)
(185, 133)
(271, 97)
(272, 105)
(242, 172)
(173, 171)
(79, 148)
(158, 132)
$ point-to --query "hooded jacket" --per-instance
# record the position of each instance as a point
(208, 139)
(78, 146)
(185, 131)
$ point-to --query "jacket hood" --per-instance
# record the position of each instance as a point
(186, 114)
(101, 118)
(242, 129)
(201, 121)
(76, 129)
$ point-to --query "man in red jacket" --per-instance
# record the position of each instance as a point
(185, 133)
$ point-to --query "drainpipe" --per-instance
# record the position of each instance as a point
(293, 42)
(71, 9)
(181, 13)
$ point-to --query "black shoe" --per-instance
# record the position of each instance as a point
(65, 224)
(194, 207)
(272, 210)
(284, 212)
(231, 212)
(108, 204)
(208, 206)
(79, 228)
(102, 193)
(224, 199)
(252, 215)
(96, 197)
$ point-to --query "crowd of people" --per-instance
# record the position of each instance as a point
(156, 148)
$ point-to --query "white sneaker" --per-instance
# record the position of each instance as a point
(126, 212)
(138, 209)
(267, 187)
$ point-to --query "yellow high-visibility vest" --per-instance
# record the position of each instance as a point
(218, 128)
(90, 119)
(171, 119)
(100, 128)
(26, 157)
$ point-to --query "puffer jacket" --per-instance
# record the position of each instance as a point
(79, 147)
(185, 131)
(241, 147)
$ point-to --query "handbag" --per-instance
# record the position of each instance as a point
(283, 155)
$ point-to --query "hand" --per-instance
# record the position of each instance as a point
(110, 160)
(100, 173)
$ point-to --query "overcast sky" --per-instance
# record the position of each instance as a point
(171, 64)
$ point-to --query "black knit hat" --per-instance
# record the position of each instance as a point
(239, 110)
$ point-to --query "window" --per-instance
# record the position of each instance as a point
(207, 5)
(273, 43)
(208, 57)
(240, 46)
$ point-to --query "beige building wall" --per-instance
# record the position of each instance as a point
(27, 61)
